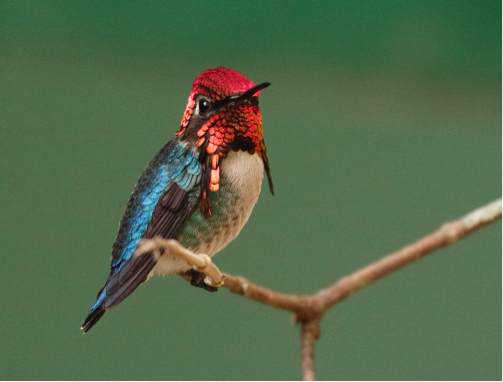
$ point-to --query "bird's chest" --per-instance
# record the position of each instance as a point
(241, 177)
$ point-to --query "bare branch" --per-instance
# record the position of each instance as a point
(448, 234)
(310, 332)
(309, 309)
(243, 287)
(305, 305)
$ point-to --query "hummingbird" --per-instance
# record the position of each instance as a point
(199, 189)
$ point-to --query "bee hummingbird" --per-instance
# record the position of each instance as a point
(199, 189)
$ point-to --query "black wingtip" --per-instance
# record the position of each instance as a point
(92, 319)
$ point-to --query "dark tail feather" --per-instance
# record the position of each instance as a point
(96, 313)
(120, 285)
(92, 319)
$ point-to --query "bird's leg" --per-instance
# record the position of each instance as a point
(197, 280)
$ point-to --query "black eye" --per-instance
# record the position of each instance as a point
(204, 106)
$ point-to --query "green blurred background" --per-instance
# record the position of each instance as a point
(382, 122)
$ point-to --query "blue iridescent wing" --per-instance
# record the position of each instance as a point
(163, 199)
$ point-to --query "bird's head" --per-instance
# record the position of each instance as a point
(222, 114)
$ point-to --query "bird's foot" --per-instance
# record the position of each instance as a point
(198, 281)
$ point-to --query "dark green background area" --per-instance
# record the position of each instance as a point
(382, 122)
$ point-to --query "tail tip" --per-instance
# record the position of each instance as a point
(92, 319)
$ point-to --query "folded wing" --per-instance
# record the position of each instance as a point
(163, 199)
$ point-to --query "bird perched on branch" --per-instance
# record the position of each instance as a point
(199, 189)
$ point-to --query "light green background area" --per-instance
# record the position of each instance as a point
(383, 121)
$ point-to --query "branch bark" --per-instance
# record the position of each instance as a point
(309, 309)
(309, 334)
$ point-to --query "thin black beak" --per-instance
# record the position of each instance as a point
(250, 92)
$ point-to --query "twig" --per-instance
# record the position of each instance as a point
(309, 309)
(309, 334)
(308, 305)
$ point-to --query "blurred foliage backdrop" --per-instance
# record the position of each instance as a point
(383, 121)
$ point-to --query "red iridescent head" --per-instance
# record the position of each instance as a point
(217, 84)
(232, 122)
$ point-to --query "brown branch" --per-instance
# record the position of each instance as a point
(307, 305)
(309, 333)
(309, 309)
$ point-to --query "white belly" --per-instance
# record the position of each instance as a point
(241, 175)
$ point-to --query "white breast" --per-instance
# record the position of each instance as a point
(244, 173)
